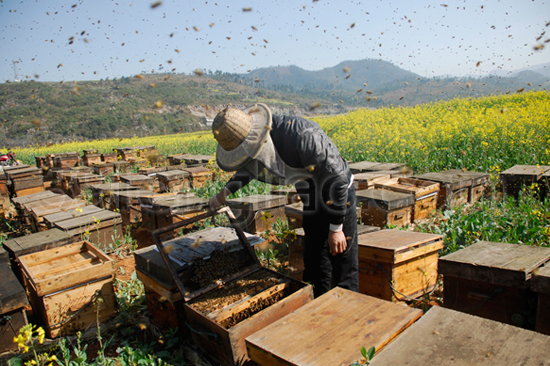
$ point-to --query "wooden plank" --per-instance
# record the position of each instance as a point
(330, 330)
(21, 201)
(257, 202)
(89, 219)
(496, 263)
(443, 336)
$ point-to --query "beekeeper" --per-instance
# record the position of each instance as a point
(285, 150)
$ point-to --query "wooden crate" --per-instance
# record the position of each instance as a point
(519, 176)
(425, 194)
(66, 160)
(296, 247)
(13, 302)
(173, 180)
(492, 280)
(330, 330)
(381, 207)
(109, 157)
(81, 182)
(370, 166)
(480, 182)
(90, 159)
(127, 202)
(290, 193)
(102, 194)
(198, 176)
(121, 166)
(446, 337)
(37, 213)
(104, 227)
(171, 209)
(103, 168)
(408, 260)
(367, 180)
(220, 328)
(177, 159)
(454, 190)
(62, 282)
(51, 203)
(541, 285)
(256, 213)
(51, 219)
(137, 180)
(21, 184)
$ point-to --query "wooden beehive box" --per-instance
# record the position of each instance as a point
(63, 281)
(127, 202)
(370, 166)
(492, 280)
(425, 194)
(24, 180)
(173, 180)
(197, 160)
(446, 337)
(177, 159)
(51, 219)
(454, 191)
(519, 176)
(121, 166)
(198, 176)
(90, 159)
(545, 185)
(256, 213)
(171, 209)
(228, 294)
(330, 330)
(103, 168)
(26, 208)
(367, 180)
(408, 260)
(152, 171)
(66, 160)
(380, 207)
(103, 227)
(38, 212)
(290, 193)
(125, 153)
(13, 301)
(109, 157)
(103, 194)
(296, 247)
(81, 182)
(541, 285)
(137, 180)
(480, 182)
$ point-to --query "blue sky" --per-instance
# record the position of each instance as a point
(125, 38)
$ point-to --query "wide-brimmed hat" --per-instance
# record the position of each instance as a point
(240, 135)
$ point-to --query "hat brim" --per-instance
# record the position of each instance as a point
(259, 133)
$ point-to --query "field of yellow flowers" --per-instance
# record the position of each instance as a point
(484, 134)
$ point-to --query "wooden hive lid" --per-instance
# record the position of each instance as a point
(112, 187)
(478, 178)
(257, 202)
(541, 280)
(20, 201)
(417, 187)
(57, 200)
(12, 294)
(501, 264)
(197, 247)
(17, 173)
(173, 174)
(181, 204)
(526, 171)
(448, 337)
(8, 169)
(171, 196)
(4, 256)
(387, 200)
(37, 242)
(294, 209)
(133, 193)
(71, 214)
(59, 268)
(451, 180)
(83, 221)
(130, 178)
(40, 211)
(371, 177)
(362, 166)
(395, 246)
(197, 170)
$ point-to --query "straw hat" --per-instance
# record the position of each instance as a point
(240, 135)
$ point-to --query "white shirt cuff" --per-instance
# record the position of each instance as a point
(333, 227)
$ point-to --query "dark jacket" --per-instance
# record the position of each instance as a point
(302, 144)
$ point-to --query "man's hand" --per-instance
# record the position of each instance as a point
(337, 242)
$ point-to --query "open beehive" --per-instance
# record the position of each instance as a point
(228, 295)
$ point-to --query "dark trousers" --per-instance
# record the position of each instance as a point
(322, 269)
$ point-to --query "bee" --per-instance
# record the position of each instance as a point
(478, 63)
(314, 106)
(178, 51)
(142, 326)
(310, 168)
(520, 90)
(329, 203)
(359, 90)
(247, 9)
(346, 69)
(139, 76)
(198, 72)
(538, 47)
(352, 25)
(196, 243)
(159, 103)
(156, 4)
(265, 40)
(196, 28)
(36, 122)
(58, 66)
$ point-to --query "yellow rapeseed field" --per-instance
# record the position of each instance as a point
(484, 134)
